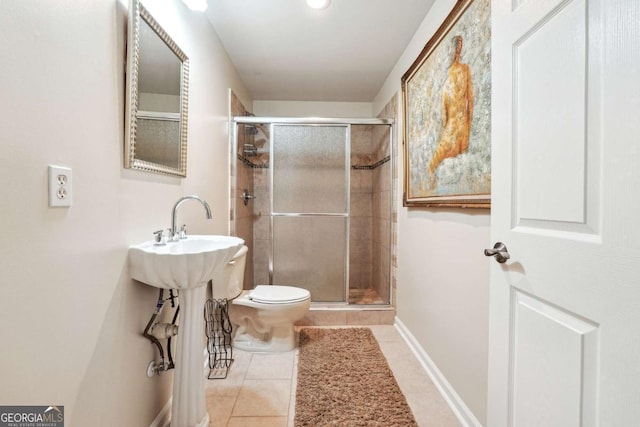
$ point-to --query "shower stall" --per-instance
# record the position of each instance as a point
(312, 199)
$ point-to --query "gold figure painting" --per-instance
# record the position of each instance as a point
(447, 113)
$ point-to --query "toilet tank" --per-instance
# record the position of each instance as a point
(234, 275)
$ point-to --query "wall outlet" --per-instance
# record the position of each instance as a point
(59, 186)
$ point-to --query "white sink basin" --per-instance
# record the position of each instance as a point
(185, 264)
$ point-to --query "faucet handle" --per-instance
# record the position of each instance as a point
(182, 234)
(159, 238)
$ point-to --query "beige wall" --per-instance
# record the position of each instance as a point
(72, 319)
(443, 278)
(312, 109)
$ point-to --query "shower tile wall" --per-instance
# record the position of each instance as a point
(381, 212)
(391, 111)
(360, 249)
(370, 210)
(261, 208)
(261, 238)
(242, 217)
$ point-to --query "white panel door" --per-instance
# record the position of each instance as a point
(565, 308)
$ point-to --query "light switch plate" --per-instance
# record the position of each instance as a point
(60, 188)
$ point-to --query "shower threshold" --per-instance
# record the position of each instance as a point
(343, 314)
(359, 299)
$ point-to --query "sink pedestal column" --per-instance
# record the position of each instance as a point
(189, 408)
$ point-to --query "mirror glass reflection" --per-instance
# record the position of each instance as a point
(157, 95)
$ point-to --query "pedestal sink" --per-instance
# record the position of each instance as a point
(187, 265)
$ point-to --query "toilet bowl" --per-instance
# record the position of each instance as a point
(263, 317)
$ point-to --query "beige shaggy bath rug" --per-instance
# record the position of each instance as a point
(344, 380)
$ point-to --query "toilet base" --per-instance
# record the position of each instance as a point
(280, 339)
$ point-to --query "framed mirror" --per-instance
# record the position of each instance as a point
(157, 93)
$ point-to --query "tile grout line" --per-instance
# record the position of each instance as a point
(235, 401)
(294, 387)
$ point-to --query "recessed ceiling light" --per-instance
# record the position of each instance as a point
(197, 5)
(318, 4)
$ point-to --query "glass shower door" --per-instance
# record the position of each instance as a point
(310, 209)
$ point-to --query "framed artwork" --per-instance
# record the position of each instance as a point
(446, 97)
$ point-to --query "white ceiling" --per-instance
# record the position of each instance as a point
(283, 50)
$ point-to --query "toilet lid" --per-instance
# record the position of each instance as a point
(276, 294)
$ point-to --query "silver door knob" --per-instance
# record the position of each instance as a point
(499, 251)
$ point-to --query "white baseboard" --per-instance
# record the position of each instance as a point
(164, 417)
(455, 402)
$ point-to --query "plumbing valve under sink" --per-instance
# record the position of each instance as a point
(164, 330)
(156, 331)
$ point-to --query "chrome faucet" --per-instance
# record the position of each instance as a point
(174, 234)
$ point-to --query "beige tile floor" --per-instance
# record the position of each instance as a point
(260, 388)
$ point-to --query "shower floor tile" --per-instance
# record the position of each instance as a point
(365, 296)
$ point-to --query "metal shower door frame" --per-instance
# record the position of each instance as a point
(244, 120)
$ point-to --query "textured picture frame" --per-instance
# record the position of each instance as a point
(446, 95)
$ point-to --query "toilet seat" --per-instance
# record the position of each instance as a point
(276, 294)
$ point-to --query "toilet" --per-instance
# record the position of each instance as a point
(263, 317)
